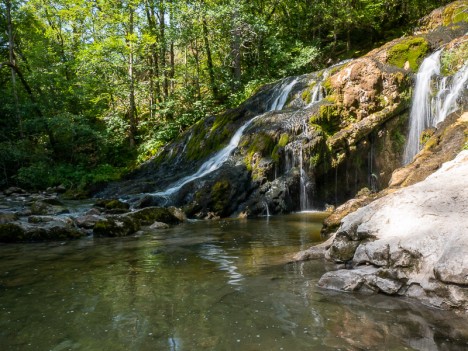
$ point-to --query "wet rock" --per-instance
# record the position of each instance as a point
(88, 221)
(178, 213)
(149, 215)
(112, 205)
(13, 190)
(7, 217)
(116, 226)
(42, 207)
(315, 252)
(93, 211)
(44, 231)
(48, 219)
(159, 225)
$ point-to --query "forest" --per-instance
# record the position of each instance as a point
(91, 89)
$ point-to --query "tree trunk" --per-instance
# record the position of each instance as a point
(162, 41)
(236, 52)
(132, 108)
(12, 65)
(154, 59)
(214, 88)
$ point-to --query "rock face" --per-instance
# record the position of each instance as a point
(341, 129)
(413, 242)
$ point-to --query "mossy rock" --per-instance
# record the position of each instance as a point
(8, 217)
(43, 208)
(116, 226)
(149, 215)
(411, 50)
(20, 232)
(112, 204)
(210, 135)
(327, 120)
(11, 232)
(283, 141)
(219, 195)
(455, 13)
(261, 143)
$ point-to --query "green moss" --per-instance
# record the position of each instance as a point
(327, 119)
(149, 215)
(206, 140)
(283, 141)
(411, 50)
(453, 59)
(398, 138)
(261, 143)
(455, 13)
(219, 195)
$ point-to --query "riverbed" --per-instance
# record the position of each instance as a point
(206, 285)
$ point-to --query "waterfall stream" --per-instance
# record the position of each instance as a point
(278, 98)
(431, 106)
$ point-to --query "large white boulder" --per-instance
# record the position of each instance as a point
(415, 241)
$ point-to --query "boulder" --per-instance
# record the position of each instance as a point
(43, 207)
(7, 217)
(45, 231)
(149, 215)
(413, 242)
(88, 221)
(112, 205)
(116, 226)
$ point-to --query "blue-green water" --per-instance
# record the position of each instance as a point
(223, 285)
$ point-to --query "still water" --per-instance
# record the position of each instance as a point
(221, 285)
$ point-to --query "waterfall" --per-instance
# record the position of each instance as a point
(303, 198)
(267, 210)
(279, 97)
(295, 158)
(429, 107)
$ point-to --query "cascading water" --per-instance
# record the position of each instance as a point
(279, 98)
(429, 107)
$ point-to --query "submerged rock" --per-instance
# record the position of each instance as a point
(413, 242)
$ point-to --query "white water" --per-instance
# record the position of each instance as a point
(430, 107)
(318, 91)
(279, 97)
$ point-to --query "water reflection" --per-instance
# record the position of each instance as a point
(202, 286)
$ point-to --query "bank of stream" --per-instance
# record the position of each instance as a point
(219, 285)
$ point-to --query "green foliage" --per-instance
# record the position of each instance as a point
(104, 86)
(410, 50)
(40, 175)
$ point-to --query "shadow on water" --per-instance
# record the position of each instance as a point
(219, 285)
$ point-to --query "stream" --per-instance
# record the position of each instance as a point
(219, 285)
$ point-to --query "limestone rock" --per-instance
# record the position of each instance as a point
(413, 242)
